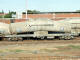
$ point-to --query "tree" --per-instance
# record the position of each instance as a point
(2, 11)
(31, 12)
(1, 16)
(77, 10)
(9, 15)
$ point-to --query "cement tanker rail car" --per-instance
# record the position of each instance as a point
(38, 28)
(75, 25)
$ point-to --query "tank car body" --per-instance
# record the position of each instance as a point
(4, 29)
(40, 28)
(75, 25)
(37, 28)
(39, 25)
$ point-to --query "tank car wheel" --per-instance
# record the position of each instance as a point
(20, 39)
(6, 39)
(68, 37)
(13, 39)
(9, 39)
(42, 38)
(61, 38)
(1, 38)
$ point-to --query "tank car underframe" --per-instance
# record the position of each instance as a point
(19, 37)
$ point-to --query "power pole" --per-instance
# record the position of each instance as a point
(26, 8)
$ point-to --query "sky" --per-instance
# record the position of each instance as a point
(40, 5)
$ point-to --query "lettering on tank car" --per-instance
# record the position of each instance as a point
(29, 25)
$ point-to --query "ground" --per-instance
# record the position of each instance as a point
(30, 48)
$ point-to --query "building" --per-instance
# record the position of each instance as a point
(50, 15)
(53, 15)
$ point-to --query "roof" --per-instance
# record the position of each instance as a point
(53, 12)
(1, 13)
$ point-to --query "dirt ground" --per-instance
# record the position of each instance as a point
(14, 49)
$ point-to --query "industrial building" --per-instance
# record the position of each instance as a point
(50, 15)
(53, 15)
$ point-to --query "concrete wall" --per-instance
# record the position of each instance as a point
(53, 16)
(8, 21)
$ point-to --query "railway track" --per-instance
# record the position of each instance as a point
(42, 44)
(76, 40)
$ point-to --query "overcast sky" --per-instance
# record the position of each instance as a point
(41, 5)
